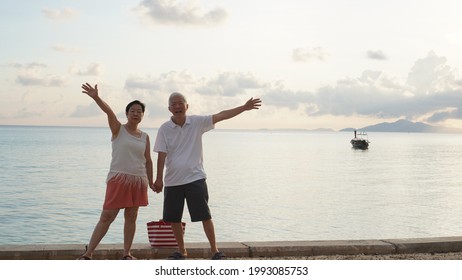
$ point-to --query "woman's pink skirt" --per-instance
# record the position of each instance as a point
(123, 191)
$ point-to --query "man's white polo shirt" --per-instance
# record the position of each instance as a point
(183, 145)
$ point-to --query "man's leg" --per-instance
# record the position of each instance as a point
(179, 237)
(173, 212)
(209, 230)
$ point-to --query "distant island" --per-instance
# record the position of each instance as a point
(405, 126)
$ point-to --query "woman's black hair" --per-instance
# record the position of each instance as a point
(133, 103)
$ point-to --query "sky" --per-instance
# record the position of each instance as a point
(315, 64)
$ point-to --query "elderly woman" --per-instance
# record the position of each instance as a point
(129, 176)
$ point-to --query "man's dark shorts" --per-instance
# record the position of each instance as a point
(197, 197)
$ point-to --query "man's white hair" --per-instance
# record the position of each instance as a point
(176, 94)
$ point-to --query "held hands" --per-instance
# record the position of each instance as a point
(252, 104)
(152, 187)
(89, 90)
(157, 186)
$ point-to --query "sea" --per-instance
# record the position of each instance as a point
(264, 185)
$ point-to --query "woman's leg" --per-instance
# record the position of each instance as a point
(101, 228)
(131, 214)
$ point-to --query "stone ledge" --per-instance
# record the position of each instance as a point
(270, 249)
(317, 248)
(427, 245)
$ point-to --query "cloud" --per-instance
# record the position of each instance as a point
(141, 83)
(377, 55)
(86, 111)
(219, 90)
(154, 90)
(371, 94)
(222, 84)
(309, 54)
(60, 15)
(31, 75)
(432, 92)
(93, 69)
(432, 74)
(281, 97)
(168, 12)
(442, 116)
(32, 65)
(34, 79)
(229, 84)
(27, 113)
(166, 82)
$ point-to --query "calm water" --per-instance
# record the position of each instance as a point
(263, 186)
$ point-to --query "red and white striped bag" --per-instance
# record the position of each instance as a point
(160, 234)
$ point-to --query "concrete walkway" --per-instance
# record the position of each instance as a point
(275, 249)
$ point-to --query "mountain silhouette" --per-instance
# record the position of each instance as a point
(405, 126)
